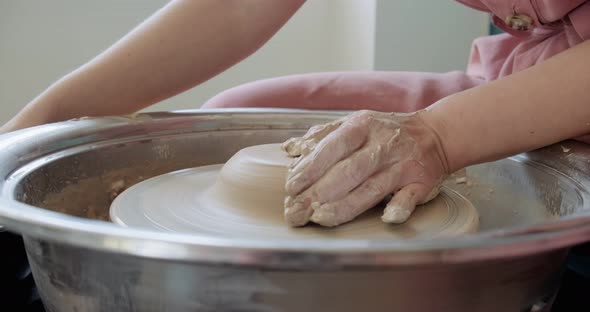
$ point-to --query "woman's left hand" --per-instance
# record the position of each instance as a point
(349, 166)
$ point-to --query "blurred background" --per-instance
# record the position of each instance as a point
(40, 41)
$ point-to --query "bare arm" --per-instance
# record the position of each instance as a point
(185, 43)
(539, 106)
(349, 166)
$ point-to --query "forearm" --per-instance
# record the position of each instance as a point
(182, 45)
(539, 106)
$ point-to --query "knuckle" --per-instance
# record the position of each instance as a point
(350, 172)
(361, 117)
(374, 190)
(315, 129)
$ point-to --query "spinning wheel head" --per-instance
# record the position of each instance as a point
(245, 198)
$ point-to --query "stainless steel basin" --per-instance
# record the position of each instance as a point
(61, 178)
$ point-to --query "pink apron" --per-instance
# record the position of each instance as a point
(536, 30)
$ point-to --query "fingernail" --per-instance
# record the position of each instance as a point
(293, 185)
(288, 202)
(292, 147)
(307, 147)
(297, 214)
(315, 206)
(325, 215)
(292, 209)
(395, 215)
(285, 146)
(294, 164)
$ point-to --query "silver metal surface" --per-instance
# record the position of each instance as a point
(60, 179)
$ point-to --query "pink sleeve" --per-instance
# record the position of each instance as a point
(474, 4)
(380, 91)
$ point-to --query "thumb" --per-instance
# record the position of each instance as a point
(403, 203)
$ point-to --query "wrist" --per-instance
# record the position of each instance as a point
(438, 123)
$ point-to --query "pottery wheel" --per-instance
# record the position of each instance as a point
(244, 198)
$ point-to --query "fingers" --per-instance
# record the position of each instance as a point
(297, 213)
(340, 180)
(364, 197)
(303, 145)
(348, 167)
(403, 203)
(337, 145)
(347, 174)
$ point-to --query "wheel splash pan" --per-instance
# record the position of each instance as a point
(61, 178)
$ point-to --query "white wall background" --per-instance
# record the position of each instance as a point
(40, 41)
(419, 35)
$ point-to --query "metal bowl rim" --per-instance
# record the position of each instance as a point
(57, 227)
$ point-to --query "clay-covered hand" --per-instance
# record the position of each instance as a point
(350, 165)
